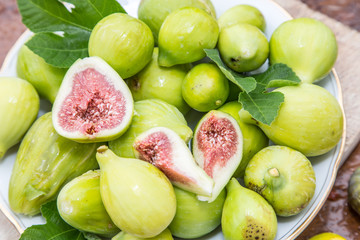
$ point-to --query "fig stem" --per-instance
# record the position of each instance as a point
(274, 172)
(102, 149)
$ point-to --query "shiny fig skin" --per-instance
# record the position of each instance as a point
(159, 82)
(185, 34)
(306, 45)
(45, 78)
(154, 12)
(138, 196)
(310, 120)
(242, 13)
(165, 235)
(79, 204)
(284, 177)
(327, 236)
(124, 42)
(19, 106)
(45, 162)
(195, 218)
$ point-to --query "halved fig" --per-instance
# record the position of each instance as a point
(163, 148)
(94, 104)
(217, 148)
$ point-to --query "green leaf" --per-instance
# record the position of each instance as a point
(54, 229)
(263, 107)
(246, 84)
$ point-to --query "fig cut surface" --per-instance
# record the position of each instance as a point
(94, 103)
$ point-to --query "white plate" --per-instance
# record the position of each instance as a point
(325, 166)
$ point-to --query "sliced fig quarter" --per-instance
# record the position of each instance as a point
(94, 103)
(217, 148)
(163, 148)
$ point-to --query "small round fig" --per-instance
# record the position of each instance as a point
(80, 205)
(124, 42)
(195, 218)
(45, 78)
(19, 106)
(354, 191)
(160, 82)
(284, 177)
(185, 34)
(306, 45)
(154, 12)
(243, 47)
(93, 104)
(242, 14)
(165, 235)
(327, 236)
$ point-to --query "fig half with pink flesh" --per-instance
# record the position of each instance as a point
(94, 104)
(217, 148)
(163, 148)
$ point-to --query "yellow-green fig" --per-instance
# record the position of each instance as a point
(243, 47)
(45, 78)
(44, 163)
(247, 215)
(154, 12)
(185, 34)
(306, 45)
(124, 42)
(138, 196)
(242, 13)
(19, 106)
(354, 191)
(310, 120)
(79, 204)
(327, 236)
(165, 235)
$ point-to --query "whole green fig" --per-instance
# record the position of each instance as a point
(165, 235)
(44, 163)
(45, 78)
(80, 205)
(19, 106)
(354, 191)
(306, 45)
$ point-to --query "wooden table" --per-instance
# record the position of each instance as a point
(335, 216)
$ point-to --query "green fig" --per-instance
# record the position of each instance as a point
(306, 45)
(284, 177)
(310, 120)
(243, 47)
(253, 138)
(19, 106)
(165, 235)
(154, 12)
(354, 191)
(160, 82)
(79, 204)
(148, 114)
(205, 87)
(185, 34)
(242, 14)
(195, 218)
(246, 215)
(44, 163)
(138, 196)
(124, 42)
(327, 236)
(45, 78)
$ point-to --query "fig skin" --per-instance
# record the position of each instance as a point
(80, 205)
(243, 47)
(354, 191)
(148, 114)
(306, 45)
(185, 34)
(124, 42)
(45, 162)
(159, 82)
(205, 87)
(254, 138)
(19, 106)
(165, 235)
(154, 12)
(45, 78)
(247, 215)
(242, 14)
(310, 120)
(195, 218)
(327, 236)
(138, 197)
(284, 177)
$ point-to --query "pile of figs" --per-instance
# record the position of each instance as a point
(117, 150)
